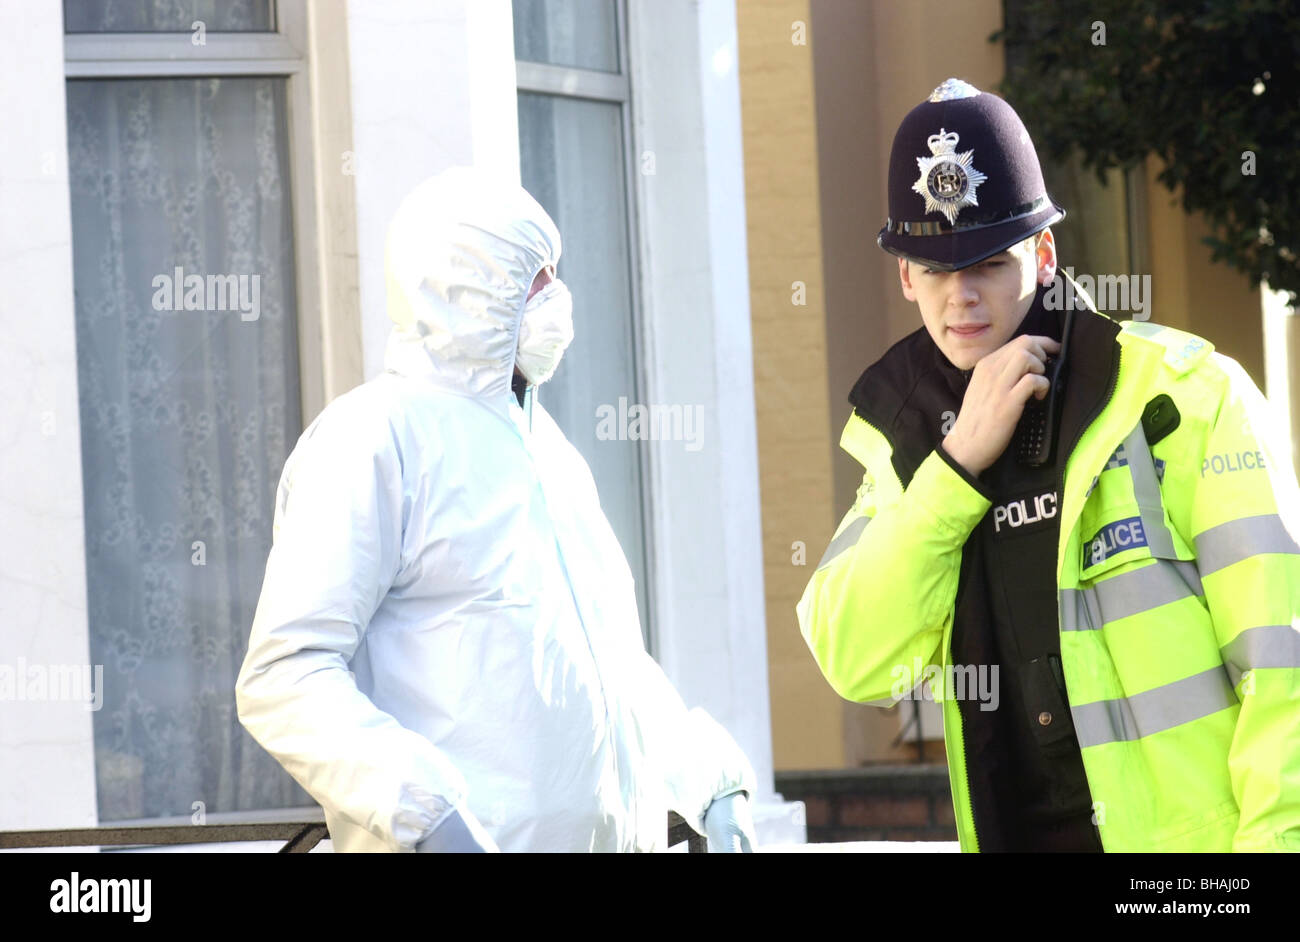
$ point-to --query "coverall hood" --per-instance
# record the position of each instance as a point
(463, 249)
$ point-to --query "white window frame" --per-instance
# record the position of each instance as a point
(565, 81)
(280, 54)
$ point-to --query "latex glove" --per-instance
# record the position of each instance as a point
(730, 825)
(458, 833)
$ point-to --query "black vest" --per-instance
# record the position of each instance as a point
(1027, 783)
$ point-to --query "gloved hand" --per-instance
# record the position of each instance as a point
(458, 833)
(729, 825)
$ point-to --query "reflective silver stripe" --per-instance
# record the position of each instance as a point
(1080, 610)
(1186, 570)
(846, 539)
(1231, 542)
(1130, 593)
(1146, 490)
(1266, 646)
(1153, 711)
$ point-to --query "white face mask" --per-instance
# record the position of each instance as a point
(545, 332)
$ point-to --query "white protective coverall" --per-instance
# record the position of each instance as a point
(447, 617)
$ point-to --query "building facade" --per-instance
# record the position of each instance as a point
(196, 203)
(196, 212)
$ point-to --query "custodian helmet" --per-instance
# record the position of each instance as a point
(964, 181)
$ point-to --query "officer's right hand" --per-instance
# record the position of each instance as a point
(458, 833)
(1000, 385)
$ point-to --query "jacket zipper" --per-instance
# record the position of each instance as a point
(965, 755)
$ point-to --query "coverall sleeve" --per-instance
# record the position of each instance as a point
(703, 761)
(1245, 522)
(883, 593)
(336, 551)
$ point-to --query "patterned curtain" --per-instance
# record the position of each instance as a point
(166, 16)
(188, 411)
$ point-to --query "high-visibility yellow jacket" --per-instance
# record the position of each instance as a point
(1178, 575)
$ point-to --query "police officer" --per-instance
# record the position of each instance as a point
(1090, 515)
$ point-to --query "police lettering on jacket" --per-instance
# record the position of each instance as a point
(1232, 461)
(1022, 512)
(1114, 538)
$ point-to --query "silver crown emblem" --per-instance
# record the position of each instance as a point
(952, 89)
(948, 180)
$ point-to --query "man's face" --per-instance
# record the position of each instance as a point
(971, 312)
(544, 278)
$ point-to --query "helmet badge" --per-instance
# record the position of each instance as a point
(947, 180)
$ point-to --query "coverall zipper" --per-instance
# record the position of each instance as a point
(586, 635)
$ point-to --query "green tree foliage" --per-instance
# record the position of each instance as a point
(1210, 86)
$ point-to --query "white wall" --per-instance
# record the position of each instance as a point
(1281, 334)
(433, 86)
(712, 637)
(46, 748)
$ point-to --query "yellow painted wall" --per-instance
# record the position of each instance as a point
(784, 232)
(874, 62)
(1190, 292)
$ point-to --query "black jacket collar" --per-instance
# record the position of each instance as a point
(912, 392)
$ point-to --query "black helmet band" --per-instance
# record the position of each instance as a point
(969, 222)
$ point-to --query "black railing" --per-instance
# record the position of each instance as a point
(679, 831)
(299, 836)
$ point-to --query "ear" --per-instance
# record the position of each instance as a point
(905, 277)
(1045, 256)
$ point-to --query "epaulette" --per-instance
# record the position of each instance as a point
(1182, 351)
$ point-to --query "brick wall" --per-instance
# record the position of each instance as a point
(874, 803)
